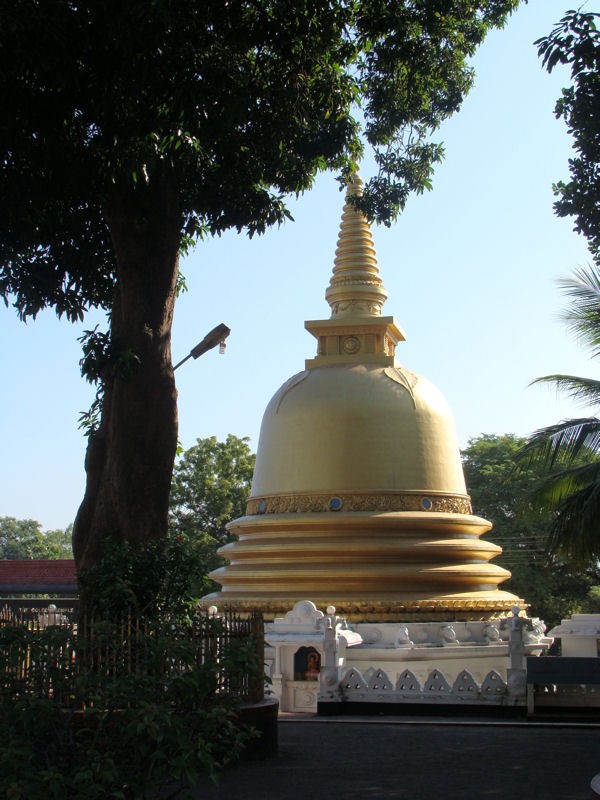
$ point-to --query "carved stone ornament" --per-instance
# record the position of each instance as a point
(405, 378)
(465, 684)
(357, 307)
(351, 345)
(352, 280)
(291, 384)
(436, 683)
(374, 502)
(407, 683)
(384, 610)
(378, 680)
(375, 686)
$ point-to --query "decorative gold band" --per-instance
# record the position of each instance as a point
(378, 610)
(373, 502)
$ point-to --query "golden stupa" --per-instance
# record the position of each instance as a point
(358, 498)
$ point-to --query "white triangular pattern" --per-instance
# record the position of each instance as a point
(379, 681)
(353, 681)
(493, 684)
(407, 683)
(465, 684)
(436, 682)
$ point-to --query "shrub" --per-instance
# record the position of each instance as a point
(141, 700)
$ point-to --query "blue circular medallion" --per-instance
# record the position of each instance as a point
(262, 507)
(335, 503)
(426, 504)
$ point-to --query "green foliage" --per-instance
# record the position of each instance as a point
(569, 451)
(582, 316)
(147, 579)
(501, 489)
(140, 701)
(150, 731)
(173, 120)
(211, 486)
(24, 538)
(231, 106)
(553, 590)
(575, 41)
(567, 454)
(101, 360)
(500, 493)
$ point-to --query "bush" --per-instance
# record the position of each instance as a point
(141, 701)
(115, 735)
(164, 575)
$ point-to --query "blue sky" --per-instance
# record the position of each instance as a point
(470, 269)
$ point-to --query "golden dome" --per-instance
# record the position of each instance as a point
(358, 498)
(354, 427)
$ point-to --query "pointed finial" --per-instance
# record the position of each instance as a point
(355, 287)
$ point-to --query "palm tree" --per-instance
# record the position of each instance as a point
(570, 450)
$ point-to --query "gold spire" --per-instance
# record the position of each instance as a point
(355, 286)
(356, 331)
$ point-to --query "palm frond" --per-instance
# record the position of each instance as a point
(561, 444)
(584, 390)
(569, 451)
(575, 531)
(552, 490)
(583, 314)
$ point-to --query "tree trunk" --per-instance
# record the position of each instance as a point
(129, 459)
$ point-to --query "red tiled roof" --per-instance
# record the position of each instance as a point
(38, 576)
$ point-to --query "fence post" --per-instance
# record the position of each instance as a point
(256, 683)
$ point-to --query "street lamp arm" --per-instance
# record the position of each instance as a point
(214, 337)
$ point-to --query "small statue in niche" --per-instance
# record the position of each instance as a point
(307, 664)
(312, 667)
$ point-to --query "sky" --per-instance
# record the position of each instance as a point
(470, 268)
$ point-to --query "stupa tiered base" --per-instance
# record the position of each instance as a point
(371, 566)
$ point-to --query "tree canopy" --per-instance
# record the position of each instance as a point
(223, 108)
(501, 491)
(137, 128)
(575, 41)
(211, 486)
(24, 539)
(567, 453)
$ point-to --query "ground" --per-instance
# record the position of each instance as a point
(418, 759)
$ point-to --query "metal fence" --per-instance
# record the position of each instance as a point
(44, 652)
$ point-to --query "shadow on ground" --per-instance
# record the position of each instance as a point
(418, 761)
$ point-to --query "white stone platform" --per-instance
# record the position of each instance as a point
(479, 662)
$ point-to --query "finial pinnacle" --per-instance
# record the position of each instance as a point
(355, 185)
(355, 286)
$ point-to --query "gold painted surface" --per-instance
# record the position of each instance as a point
(350, 428)
(466, 608)
(306, 551)
(429, 525)
(355, 286)
(405, 378)
(376, 339)
(399, 501)
(358, 498)
(347, 327)
(418, 561)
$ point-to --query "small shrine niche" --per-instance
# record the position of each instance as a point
(307, 664)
